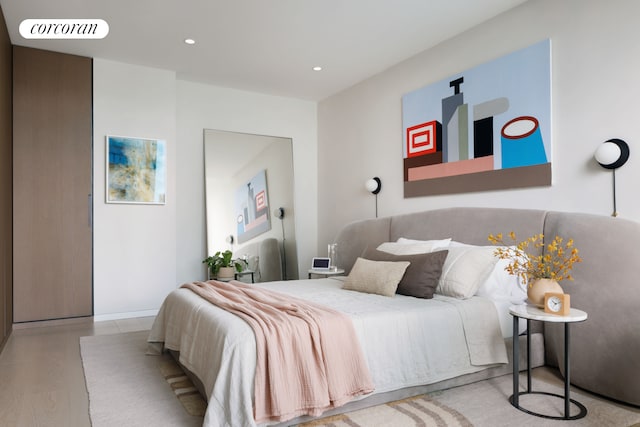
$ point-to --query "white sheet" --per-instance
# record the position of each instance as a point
(407, 341)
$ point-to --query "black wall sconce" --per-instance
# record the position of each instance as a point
(612, 154)
(374, 185)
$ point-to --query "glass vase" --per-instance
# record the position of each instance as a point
(332, 254)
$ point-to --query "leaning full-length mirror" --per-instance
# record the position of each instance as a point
(249, 201)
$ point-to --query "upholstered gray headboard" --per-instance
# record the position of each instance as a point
(467, 225)
(605, 348)
(269, 262)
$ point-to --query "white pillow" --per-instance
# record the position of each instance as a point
(500, 285)
(413, 247)
(375, 277)
(437, 244)
(465, 270)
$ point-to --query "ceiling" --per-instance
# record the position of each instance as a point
(266, 46)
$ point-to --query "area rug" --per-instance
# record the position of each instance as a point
(415, 411)
(129, 388)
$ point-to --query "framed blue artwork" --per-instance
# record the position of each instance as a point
(136, 170)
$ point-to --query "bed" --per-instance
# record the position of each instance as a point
(410, 344)
(613, 317)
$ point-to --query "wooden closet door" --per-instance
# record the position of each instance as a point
(52, 163)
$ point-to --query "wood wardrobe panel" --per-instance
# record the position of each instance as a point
(52, 152)
(6, 211)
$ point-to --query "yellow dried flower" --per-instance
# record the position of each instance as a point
(555, 262)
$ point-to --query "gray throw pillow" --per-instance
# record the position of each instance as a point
(422, 276)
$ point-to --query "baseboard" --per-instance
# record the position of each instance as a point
(128, 315)
(53, 322)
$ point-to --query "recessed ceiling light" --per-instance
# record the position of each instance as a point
(317, 68)
(189, 41)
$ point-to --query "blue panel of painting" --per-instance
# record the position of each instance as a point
(522, 143)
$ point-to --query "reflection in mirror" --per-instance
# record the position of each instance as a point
(249, 201)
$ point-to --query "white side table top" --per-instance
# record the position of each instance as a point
(528, 311)
(327, 272)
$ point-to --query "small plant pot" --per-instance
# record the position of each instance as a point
(226, 273)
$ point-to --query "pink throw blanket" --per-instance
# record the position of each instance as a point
(308, 356)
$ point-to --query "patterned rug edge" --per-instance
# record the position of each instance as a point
(188, 395)
(413, 411)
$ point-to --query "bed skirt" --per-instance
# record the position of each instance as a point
(537, 360)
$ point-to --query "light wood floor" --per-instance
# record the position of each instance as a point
(41, 377)
(42, 380)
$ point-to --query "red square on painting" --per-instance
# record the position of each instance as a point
(421, 139)
(261, 200)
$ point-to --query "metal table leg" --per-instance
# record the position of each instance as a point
(567, 381)
(528, 355)
(516, 359)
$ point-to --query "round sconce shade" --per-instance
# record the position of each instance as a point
(230, 239)
(373, 185)
(279, 213)
(612, 154)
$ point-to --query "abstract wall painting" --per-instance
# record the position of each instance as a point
(487, 128)
(136, 170)
(252, 208)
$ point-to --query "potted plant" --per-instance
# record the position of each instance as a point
(222, 266)
(541, 272)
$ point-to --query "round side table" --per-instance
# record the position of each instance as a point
(531, 312)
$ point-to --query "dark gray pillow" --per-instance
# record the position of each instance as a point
(421, 278)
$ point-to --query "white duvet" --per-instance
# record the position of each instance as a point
(406, 341)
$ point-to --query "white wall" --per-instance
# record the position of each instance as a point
(143, 252)
(202, 107)
(595, 67)
(134, 245)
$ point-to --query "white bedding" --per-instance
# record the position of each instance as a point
(407, 341)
